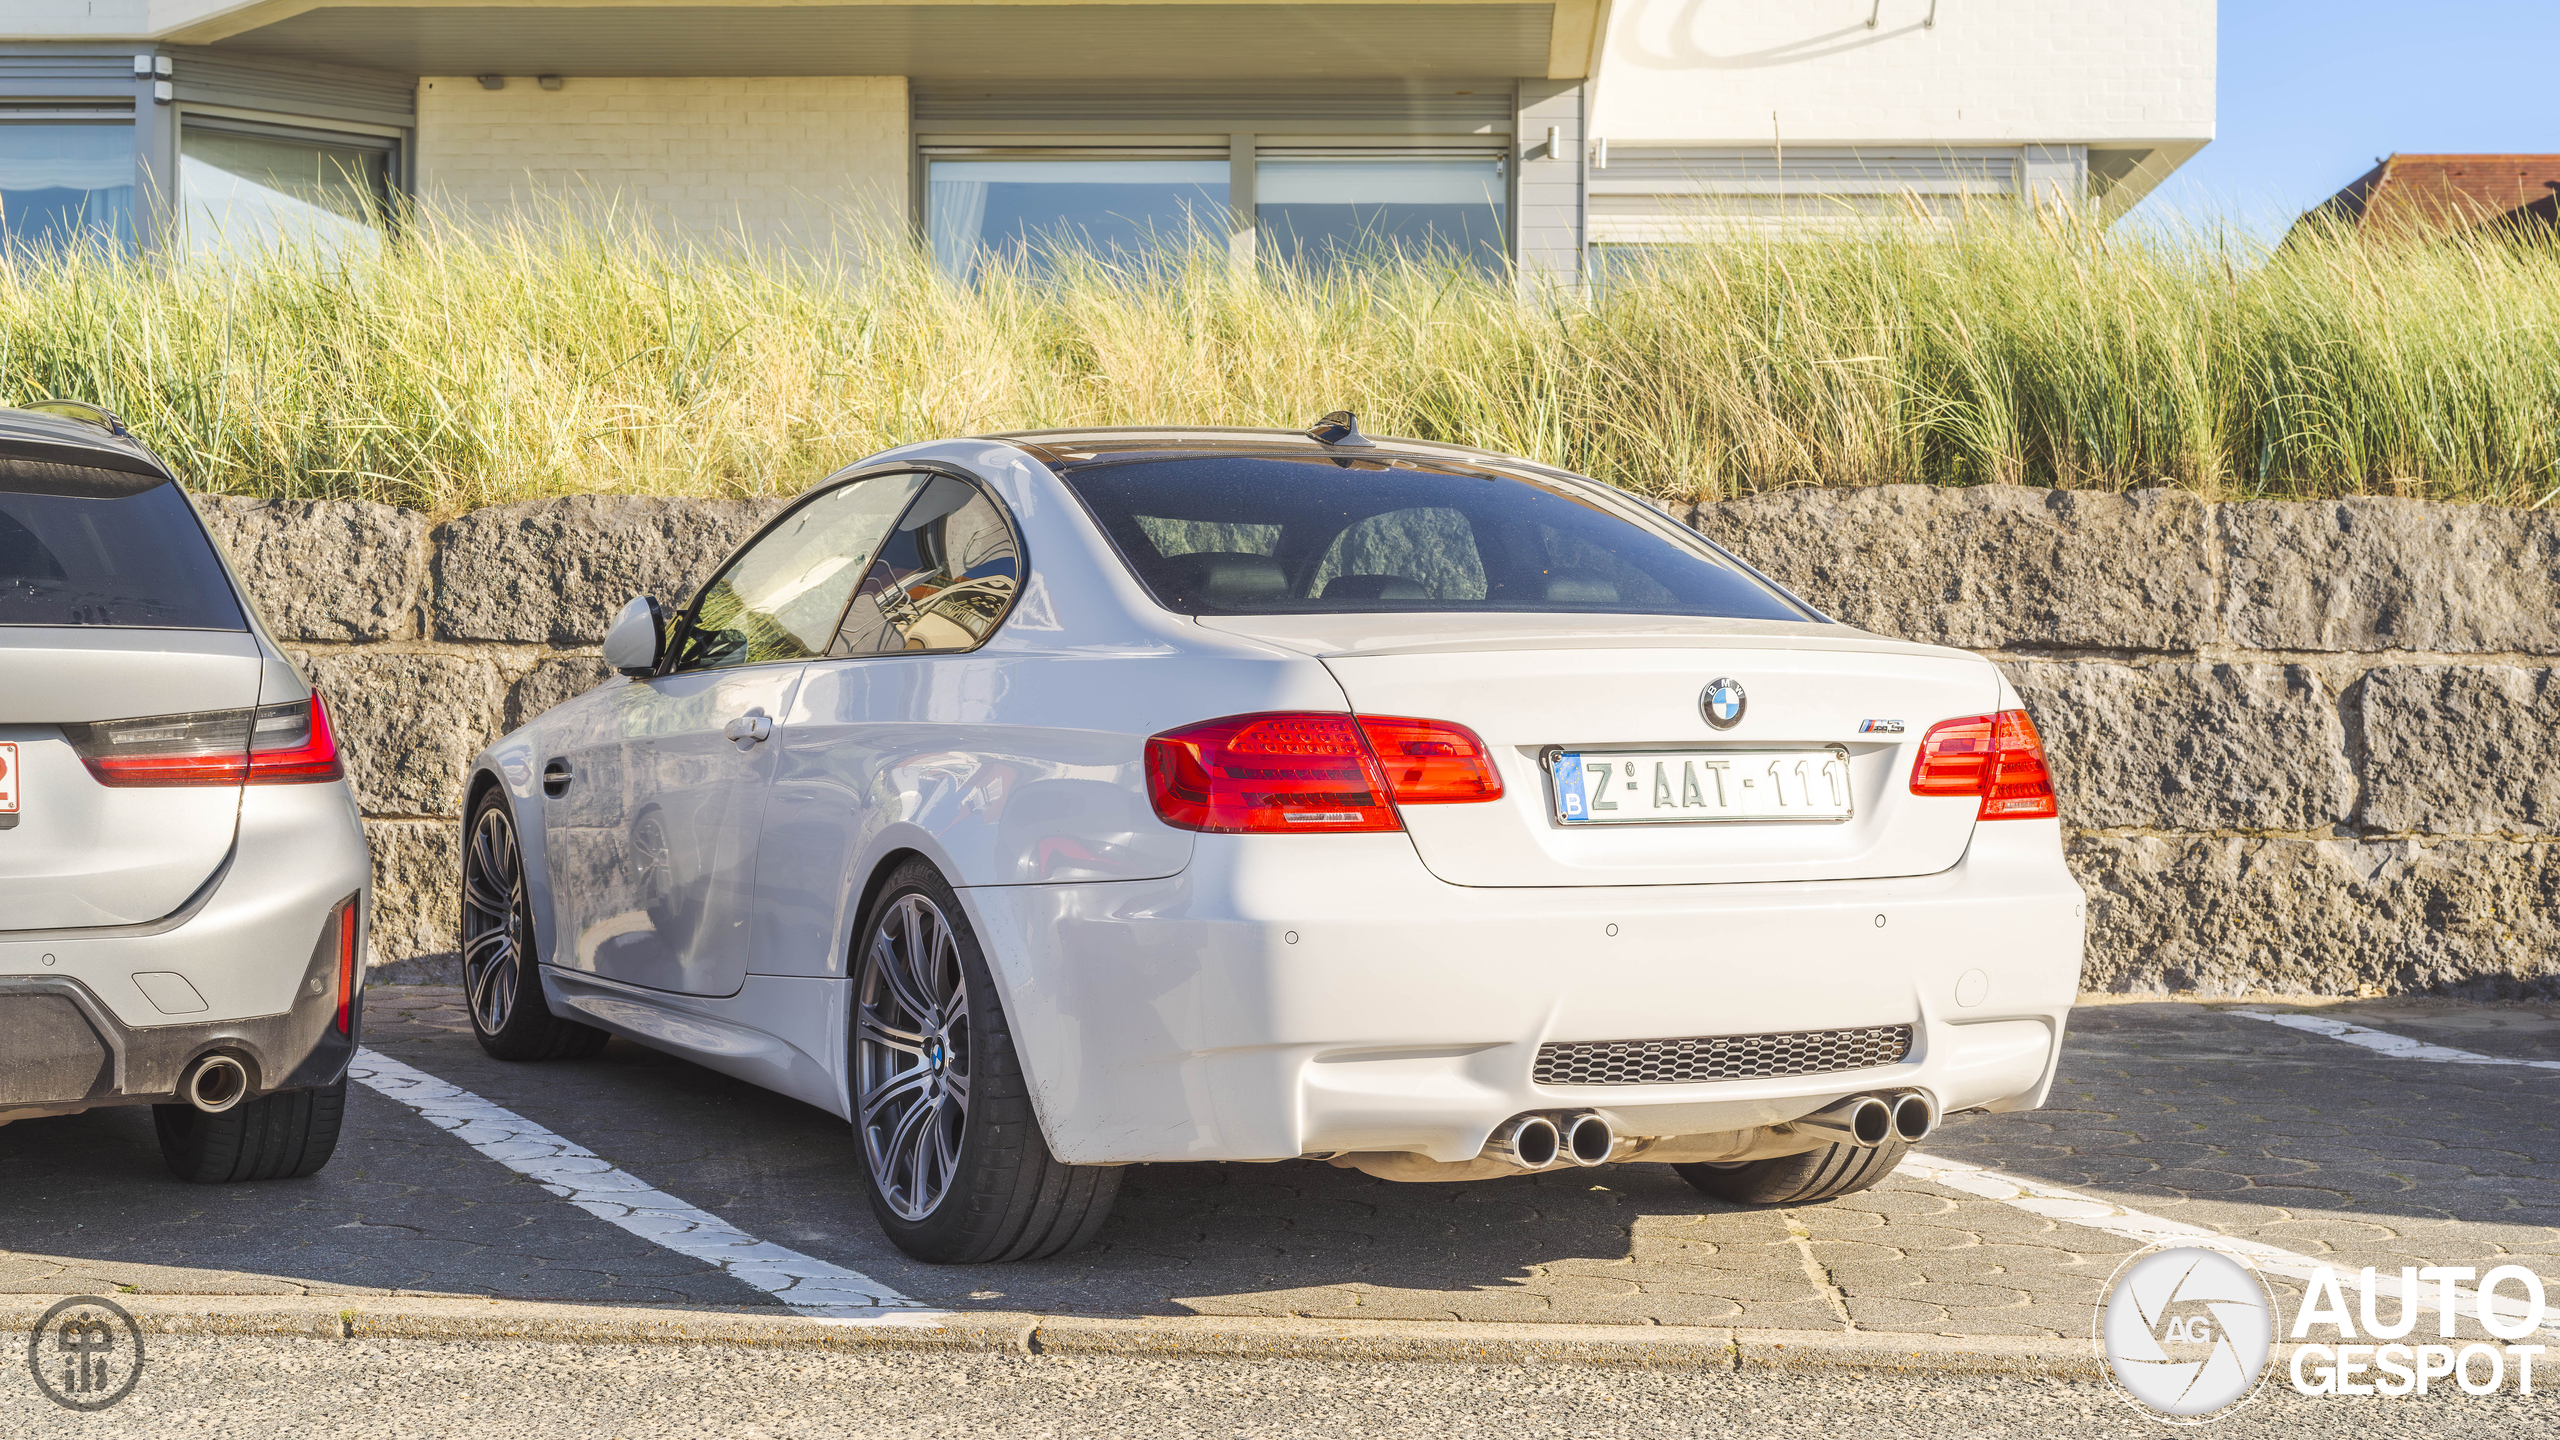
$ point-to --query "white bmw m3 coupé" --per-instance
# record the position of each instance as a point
(1050, 803)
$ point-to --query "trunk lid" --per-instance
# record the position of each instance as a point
(84, 854)
(1534, 684)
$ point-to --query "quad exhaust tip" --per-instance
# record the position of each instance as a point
(1583, 1137)
(1539, 1142)
(1868, 1121)
(1528, 1141)
(215, 1084)
(1588, 1139)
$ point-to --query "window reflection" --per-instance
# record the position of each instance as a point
(1323, 211)
(65, 184)
(1426, 552)
(943, 581)
(1018, 212)
(784, 597)
(245, 192)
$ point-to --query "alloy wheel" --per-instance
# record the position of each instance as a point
(911, 1056)
(493, 910)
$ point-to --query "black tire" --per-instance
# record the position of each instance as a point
(1815, 1176)
(280, 1137)
(965, 1182)
(501, 973)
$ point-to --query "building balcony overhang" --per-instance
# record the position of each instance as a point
(1194, 40)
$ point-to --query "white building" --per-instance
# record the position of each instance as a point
(1532, 133)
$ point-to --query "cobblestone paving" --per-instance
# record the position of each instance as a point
(2180, 1110)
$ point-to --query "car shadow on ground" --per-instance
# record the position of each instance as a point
(1289, 1238)
(2176, 1109)
(406, 1208)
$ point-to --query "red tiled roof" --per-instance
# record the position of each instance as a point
(2437, 194)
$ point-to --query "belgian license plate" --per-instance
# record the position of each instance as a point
(1642, 787)
(8, 784)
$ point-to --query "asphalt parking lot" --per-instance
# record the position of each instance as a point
(2183, 1111)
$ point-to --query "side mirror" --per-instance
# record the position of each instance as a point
(637, 639)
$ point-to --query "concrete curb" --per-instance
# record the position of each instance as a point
(1219, 1336)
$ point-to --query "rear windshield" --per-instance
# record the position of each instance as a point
(101, 547)
(1281, 535)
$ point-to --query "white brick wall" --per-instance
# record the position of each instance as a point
(1989, 71)
(768, 160)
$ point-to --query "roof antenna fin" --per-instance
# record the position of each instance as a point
(1341, 429)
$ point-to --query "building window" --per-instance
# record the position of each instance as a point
(1017, 211)
(1674, 194)
(245, 188)
(1320, 211)
(1311, 209)
(66, 177)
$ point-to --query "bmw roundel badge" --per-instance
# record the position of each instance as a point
(1723, 703)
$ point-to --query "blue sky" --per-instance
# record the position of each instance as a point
(2311, 94)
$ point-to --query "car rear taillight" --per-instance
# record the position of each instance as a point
(1269, 774)
(1997, 757)
(1431, 762)
(346, 963)
(2021, 785)
(1295, 772)
(292, 744)
(285, 743)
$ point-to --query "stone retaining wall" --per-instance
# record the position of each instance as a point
(431, 640)
(2305, 747)
(2308, 747)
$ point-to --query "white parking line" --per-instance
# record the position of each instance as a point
(2070, 1206)
(2399, 1047)
(579, 1176)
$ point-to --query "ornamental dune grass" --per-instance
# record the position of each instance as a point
(464, 366)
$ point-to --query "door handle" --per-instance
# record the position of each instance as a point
(555, 778)
(748, 731)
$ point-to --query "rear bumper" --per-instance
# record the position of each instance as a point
(257, 952)
(66, 1053)
(1283, 997)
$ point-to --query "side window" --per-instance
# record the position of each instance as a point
(783, 596)
(1425, 553)
(944, 578)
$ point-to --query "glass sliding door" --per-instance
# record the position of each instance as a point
(1321, 211)
(246, 190)
(65, 181)
(983, 212)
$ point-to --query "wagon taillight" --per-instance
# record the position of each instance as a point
(285, 743)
